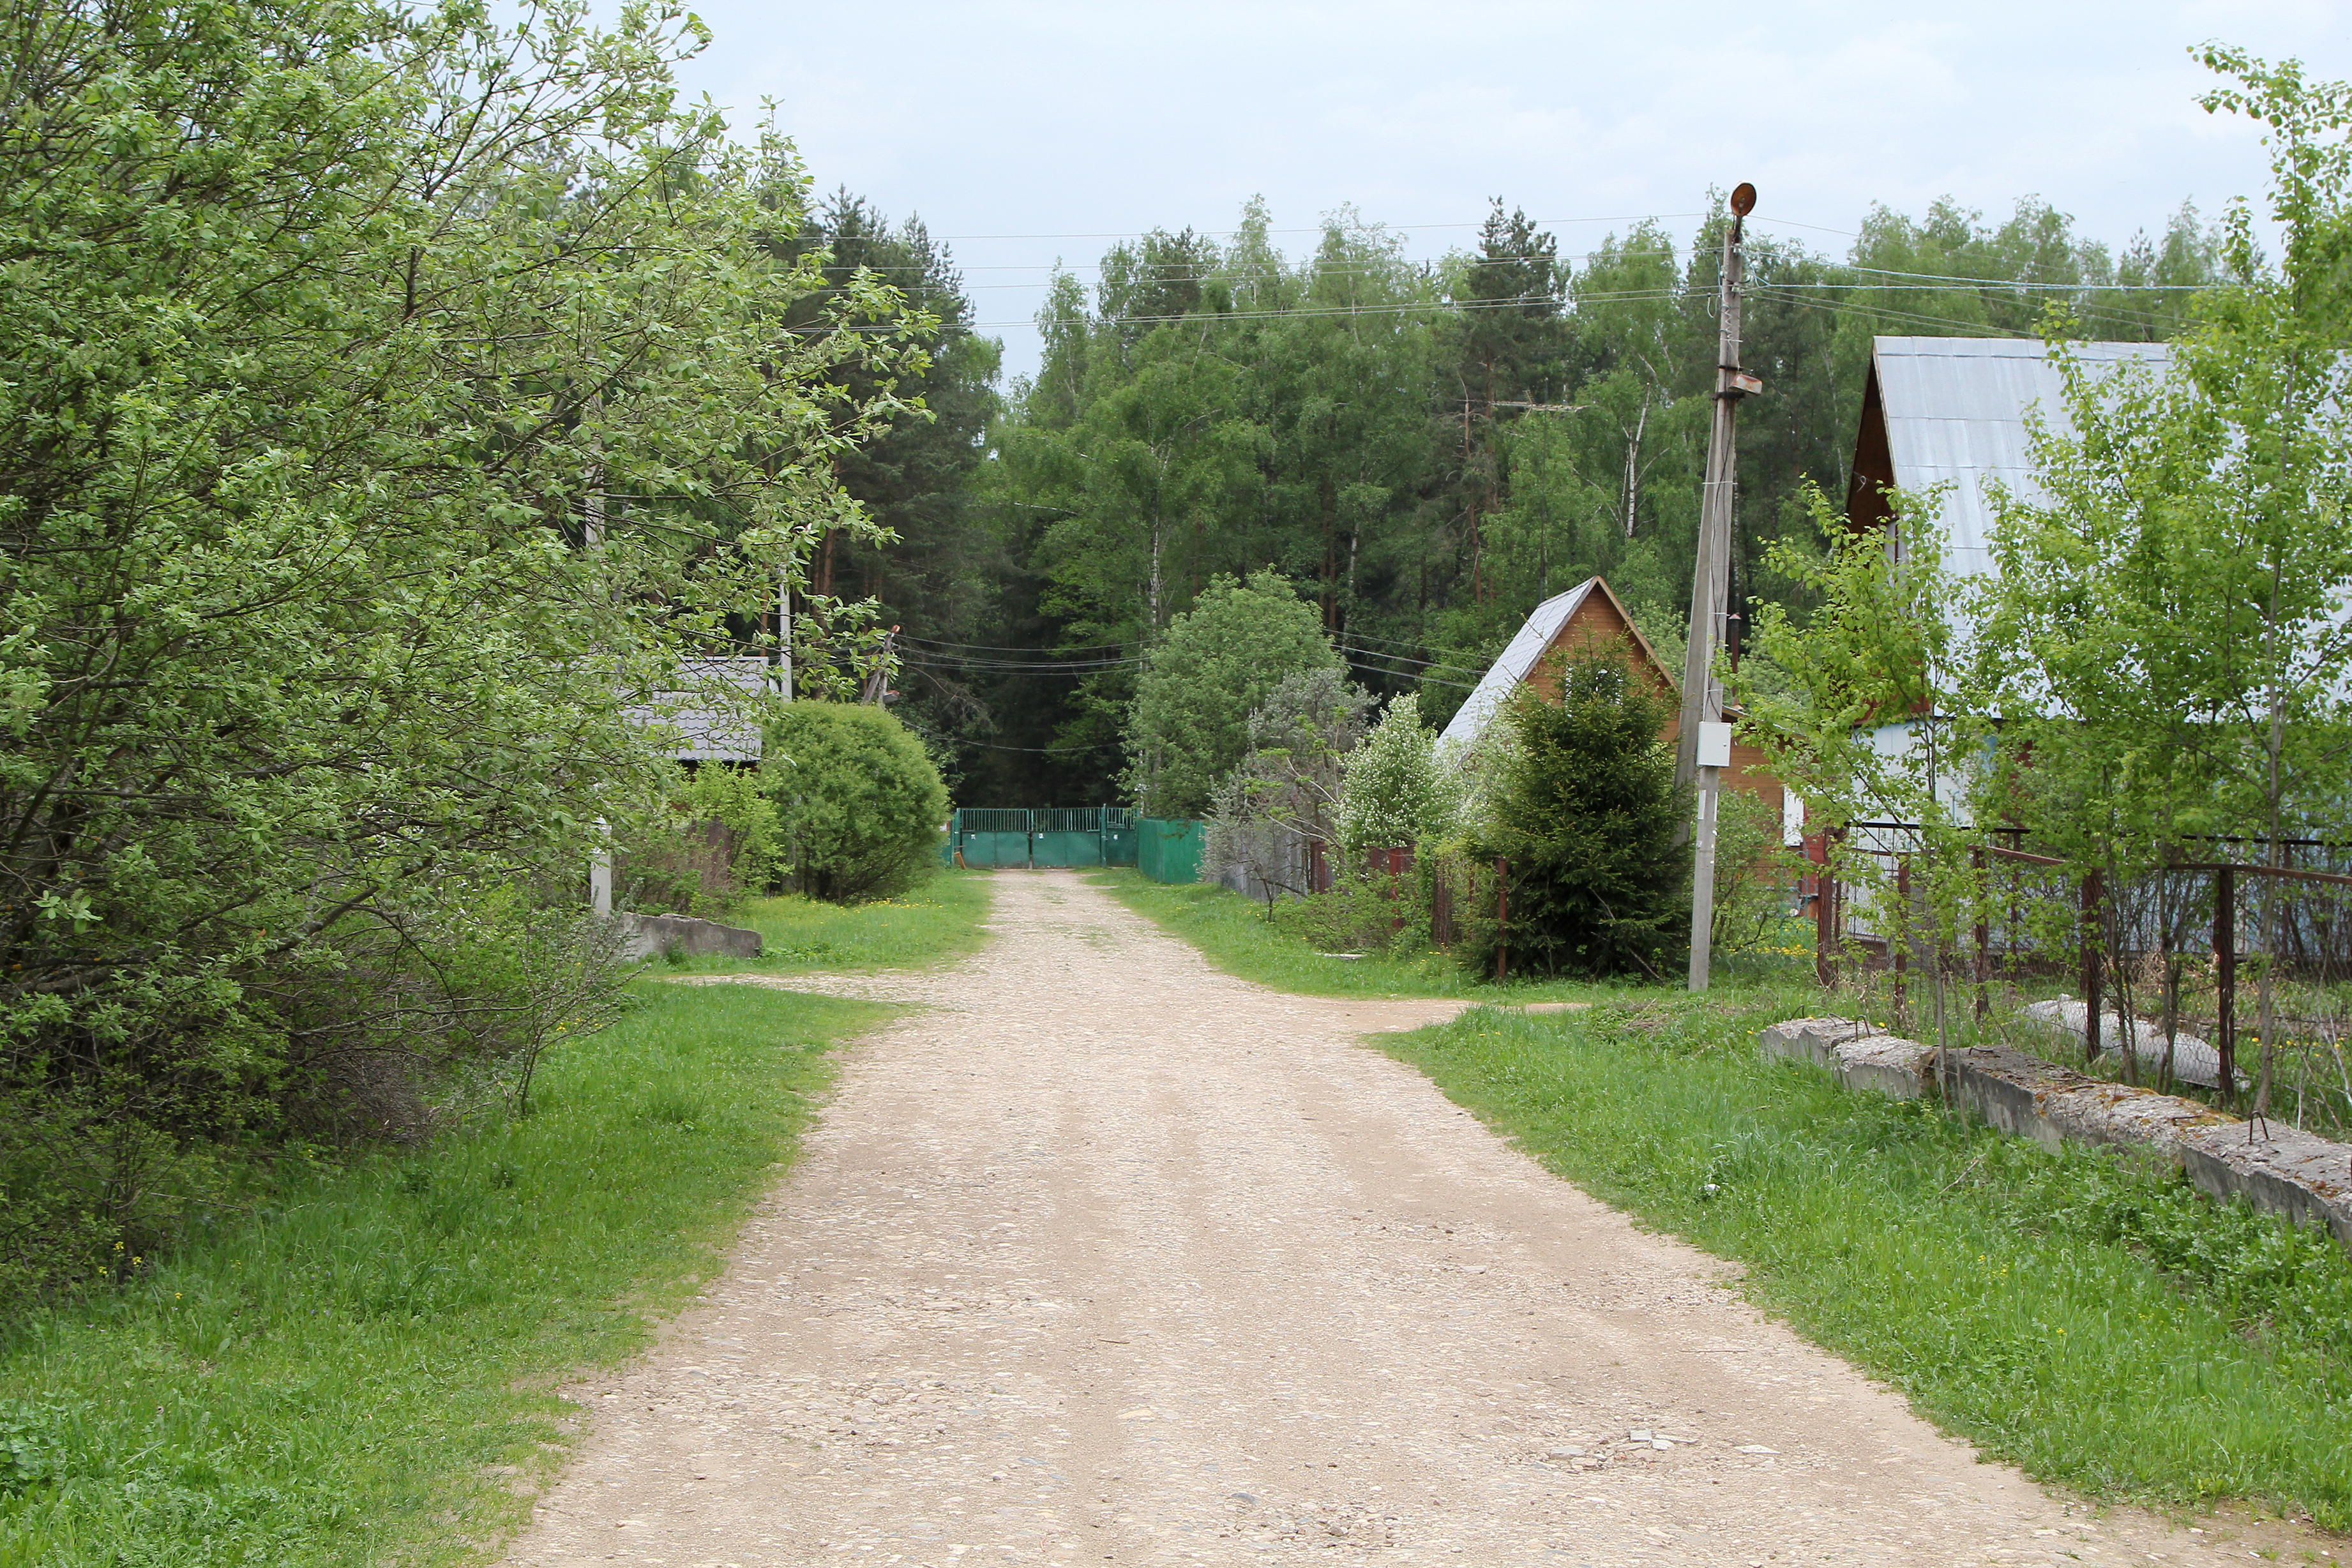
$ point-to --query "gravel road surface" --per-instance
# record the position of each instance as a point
(1100, 1256)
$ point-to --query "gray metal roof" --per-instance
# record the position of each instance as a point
(1544, 622)
(1955, 409)
(703, 725)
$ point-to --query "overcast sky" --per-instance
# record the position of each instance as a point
(1025, 134)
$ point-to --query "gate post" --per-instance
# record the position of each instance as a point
(1817, 850)
(1898, 938)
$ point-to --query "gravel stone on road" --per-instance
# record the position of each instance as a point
(1101, 1256)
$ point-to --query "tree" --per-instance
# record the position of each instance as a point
(2166, 638)
(1279, 809)
(367, 380)
(1212, 670)
(1584, 808)
(1395, 795)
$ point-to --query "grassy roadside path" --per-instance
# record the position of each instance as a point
(365, 1370)
(2091, 1319)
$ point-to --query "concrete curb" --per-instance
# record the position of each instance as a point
(2276, 1168)
(648, 935)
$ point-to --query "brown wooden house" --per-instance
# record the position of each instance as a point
(1590, 616)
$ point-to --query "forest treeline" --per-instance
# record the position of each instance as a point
(1424, 449)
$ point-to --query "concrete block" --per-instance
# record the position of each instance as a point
(1886, 1064)
(2276, 1167)
(650, 934)
(2093, 1112)
(2004, 1089)
(1810, 1039)
(2273, 1166)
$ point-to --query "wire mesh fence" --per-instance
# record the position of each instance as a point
(2174, 975)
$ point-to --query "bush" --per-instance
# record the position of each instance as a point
(859, 804)
(1754, 872)
(1359, 914)
(1584, 807)
(718, 841)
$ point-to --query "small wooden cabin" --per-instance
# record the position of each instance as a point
(1590, 616)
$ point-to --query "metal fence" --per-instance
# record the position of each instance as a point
(992, 836)
(2173, 975)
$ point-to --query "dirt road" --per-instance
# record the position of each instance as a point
(1103, 1257)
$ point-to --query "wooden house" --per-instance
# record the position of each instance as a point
(1590, 616)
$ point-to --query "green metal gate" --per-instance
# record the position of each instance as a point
(986, 837)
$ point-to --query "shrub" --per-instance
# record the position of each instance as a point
(859, 804)
(1753, 873)
(718, 841)
(1583, 805)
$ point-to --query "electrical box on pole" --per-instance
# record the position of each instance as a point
(1702, 747)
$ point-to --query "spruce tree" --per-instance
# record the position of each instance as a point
(1585, 810)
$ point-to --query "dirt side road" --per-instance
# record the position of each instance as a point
(1107, 1258)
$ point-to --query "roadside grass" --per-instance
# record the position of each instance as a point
(938, 919)
(1235, 934)
(363, 1370)
(2088, 1316)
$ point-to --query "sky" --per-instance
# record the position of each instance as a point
(1028, 134)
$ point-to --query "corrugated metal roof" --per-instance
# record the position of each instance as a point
(1544, 622)
(1955, 409)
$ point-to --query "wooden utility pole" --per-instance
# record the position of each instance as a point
(784, 635)
(592, 535)
(1702, 749)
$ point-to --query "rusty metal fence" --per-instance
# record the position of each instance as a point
(2172, 975)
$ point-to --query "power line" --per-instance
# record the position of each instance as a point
(1319, 228)
(961, 741)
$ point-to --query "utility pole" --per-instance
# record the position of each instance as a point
(592, 535)
(1702, 749)
(877, 679)
(784, 635)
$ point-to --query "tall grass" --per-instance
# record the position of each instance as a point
(362, 1369)
(2086, 1315)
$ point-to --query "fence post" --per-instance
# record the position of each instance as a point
(1984, 936)
(1502, 920)
(1817, 850)
(1898, 939)
(2225, 977)
(2093, 886)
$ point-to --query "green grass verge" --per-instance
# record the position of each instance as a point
(1235, 934)
(2087, 1316)
(938, 920)
(366, 1373)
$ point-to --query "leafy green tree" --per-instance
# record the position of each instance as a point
(859, 806)
(1212, 670)
(366, 377)
(1584, 808)
(2169, 628)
